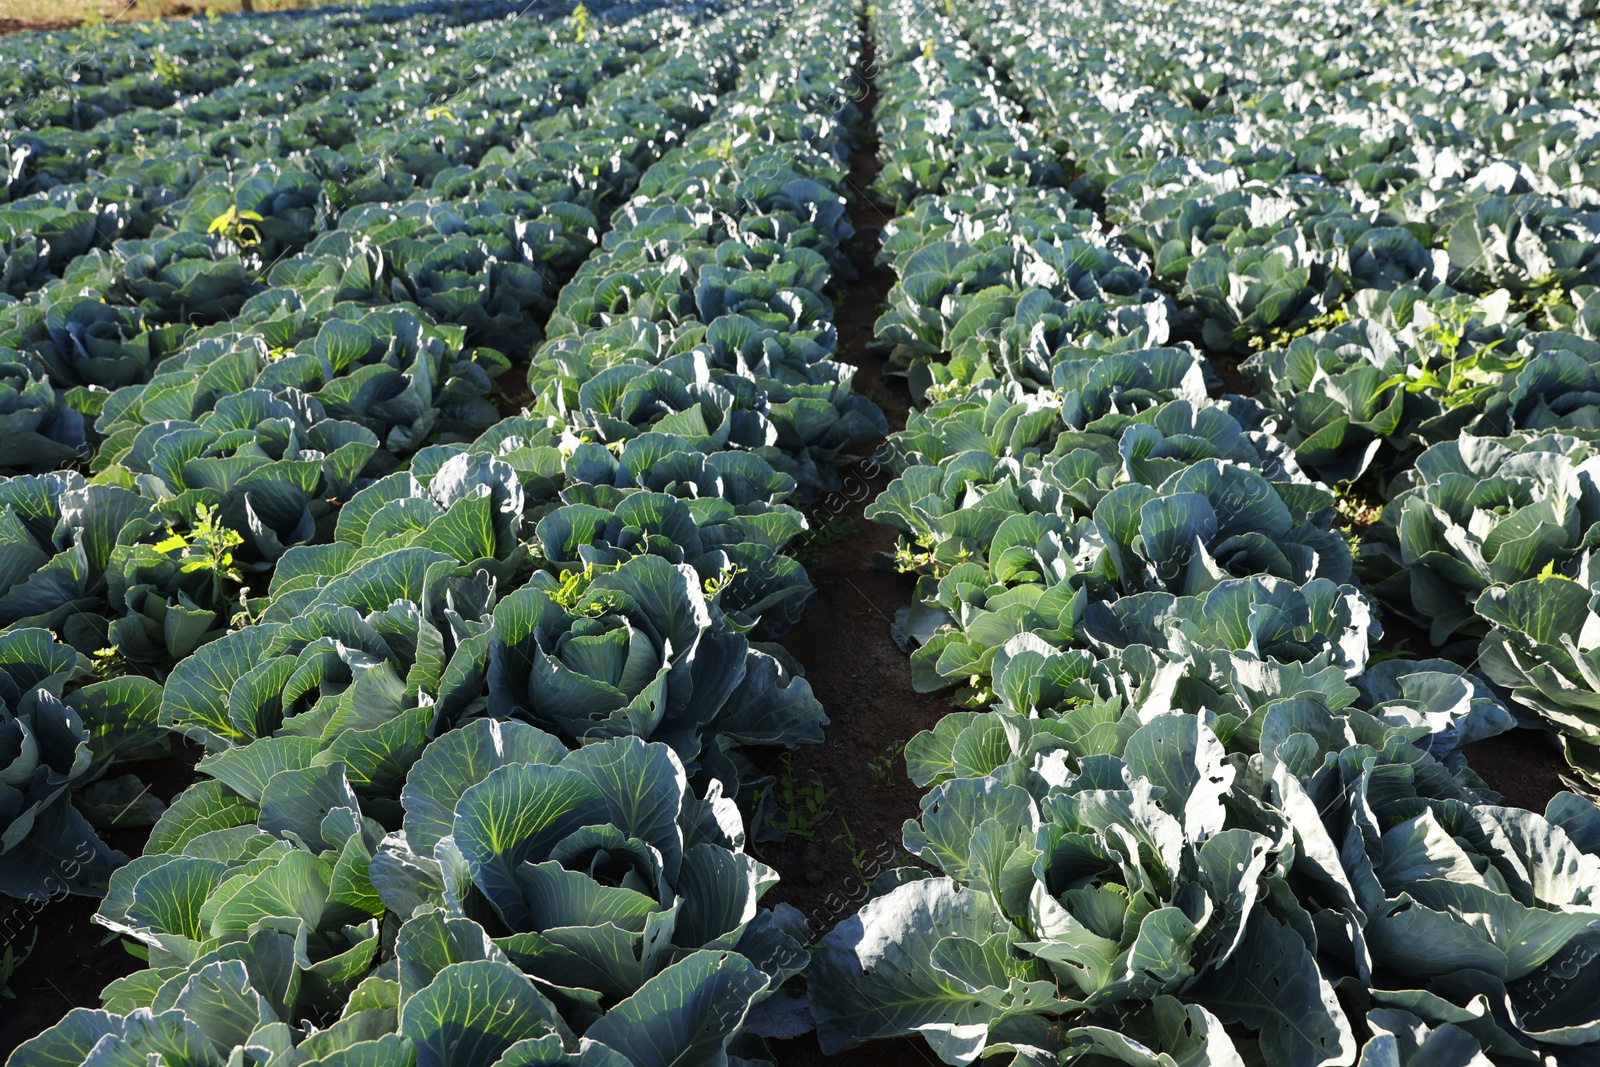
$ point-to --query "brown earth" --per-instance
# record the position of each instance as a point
(28, 16)
(8, 26)
(1524, 766)
(861, 676)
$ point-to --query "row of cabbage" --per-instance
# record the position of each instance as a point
(324, 379)
(471, 792)
(286, 147)
(1478, 158)
(412, 603)
(180, 218)
(249, 440)
(1196, 819)
(1354, 186)
(73, 81)
(219, 465)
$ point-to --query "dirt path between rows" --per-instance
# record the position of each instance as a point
(861, 676)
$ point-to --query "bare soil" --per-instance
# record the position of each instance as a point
(8, 26)
(25, 16)
(1524, 766)
(861, 676)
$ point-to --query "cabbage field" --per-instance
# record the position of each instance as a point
(693, 533)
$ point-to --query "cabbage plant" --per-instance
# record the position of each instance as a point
(42, 431)
(61, 730)
(1543, 646)
(1108, 872)
(1481, 513)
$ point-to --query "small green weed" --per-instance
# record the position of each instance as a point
(207, 546)
(722, 579)
(10, 960)
(582, 23)
(1282, 337)
(829, 531)
(882, 765)
(168, 70)
(858, 853)
(1464, 379)
(805, 804)
(237, 226)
